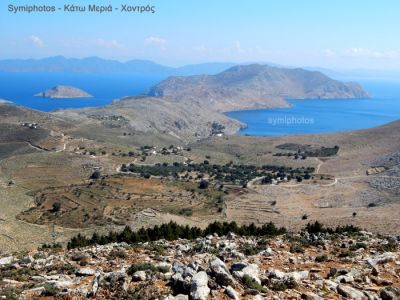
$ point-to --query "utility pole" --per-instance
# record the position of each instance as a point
(54, 234)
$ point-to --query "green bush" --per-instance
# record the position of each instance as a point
(188, 212)
(357, 246)
(391, 246)
(321, 258)
(56, 207)
(203, 184)
(296, 248)
(56, 246)
(252, 284)
(283, 285)
(141, 267)
(95, 175)
(116, 253)
(50, 290)
(9, 294)
(317, 227)
(146, 267)
(249, 250)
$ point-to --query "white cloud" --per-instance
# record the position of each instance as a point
(202, 49)
(235, 49)
(110, 44)
(368, 53)
(238, 47)
(36, 41)
(156, 41)
(328, 52)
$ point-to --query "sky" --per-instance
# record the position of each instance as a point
(338, 34)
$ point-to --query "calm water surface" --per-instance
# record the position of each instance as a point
(315, 116)
(20, 88)
(305, 116)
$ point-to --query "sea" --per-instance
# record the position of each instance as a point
(309, 116)
(303, 117)
(20, 88)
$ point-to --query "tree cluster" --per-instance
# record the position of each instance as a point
(228, 173)
(173, 231)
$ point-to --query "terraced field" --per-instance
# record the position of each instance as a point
(117, 200)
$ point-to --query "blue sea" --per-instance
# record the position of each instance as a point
(20, 88)
(316, 116)
(304, 116)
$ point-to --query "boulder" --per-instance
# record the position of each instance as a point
(276, 274)
(332, 272)
(344, 279)
(6, 260)
(139, 276)
(184, 248)
(253, 272)
(177, 297)
(298, 276)
(216, 262)
(114, 276)
(238, 266)
(80, 256)
(180, 285)
(350, 293)
(85, 272)
(188, 271)
(221, 272)
(33, 293)
(390, 293)
(199, 289)
(95, 286)
(381, 259)
(331, 284)
(231, 236)
(231, 293)
(194, 265)
(177, 267)
(311, 296)
(267, 252)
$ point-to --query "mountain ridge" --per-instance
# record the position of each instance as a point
(254, 86)
(99, 65)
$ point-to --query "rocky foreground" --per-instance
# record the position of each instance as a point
(301, 266)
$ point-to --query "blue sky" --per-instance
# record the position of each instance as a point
(327, 33)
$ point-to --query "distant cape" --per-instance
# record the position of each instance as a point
(3, 101)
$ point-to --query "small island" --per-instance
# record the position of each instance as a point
(62, 91)
(2, 101)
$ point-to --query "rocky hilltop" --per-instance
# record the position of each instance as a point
(292, 266)
(254, 86)
(153, 115)
(62, 91)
